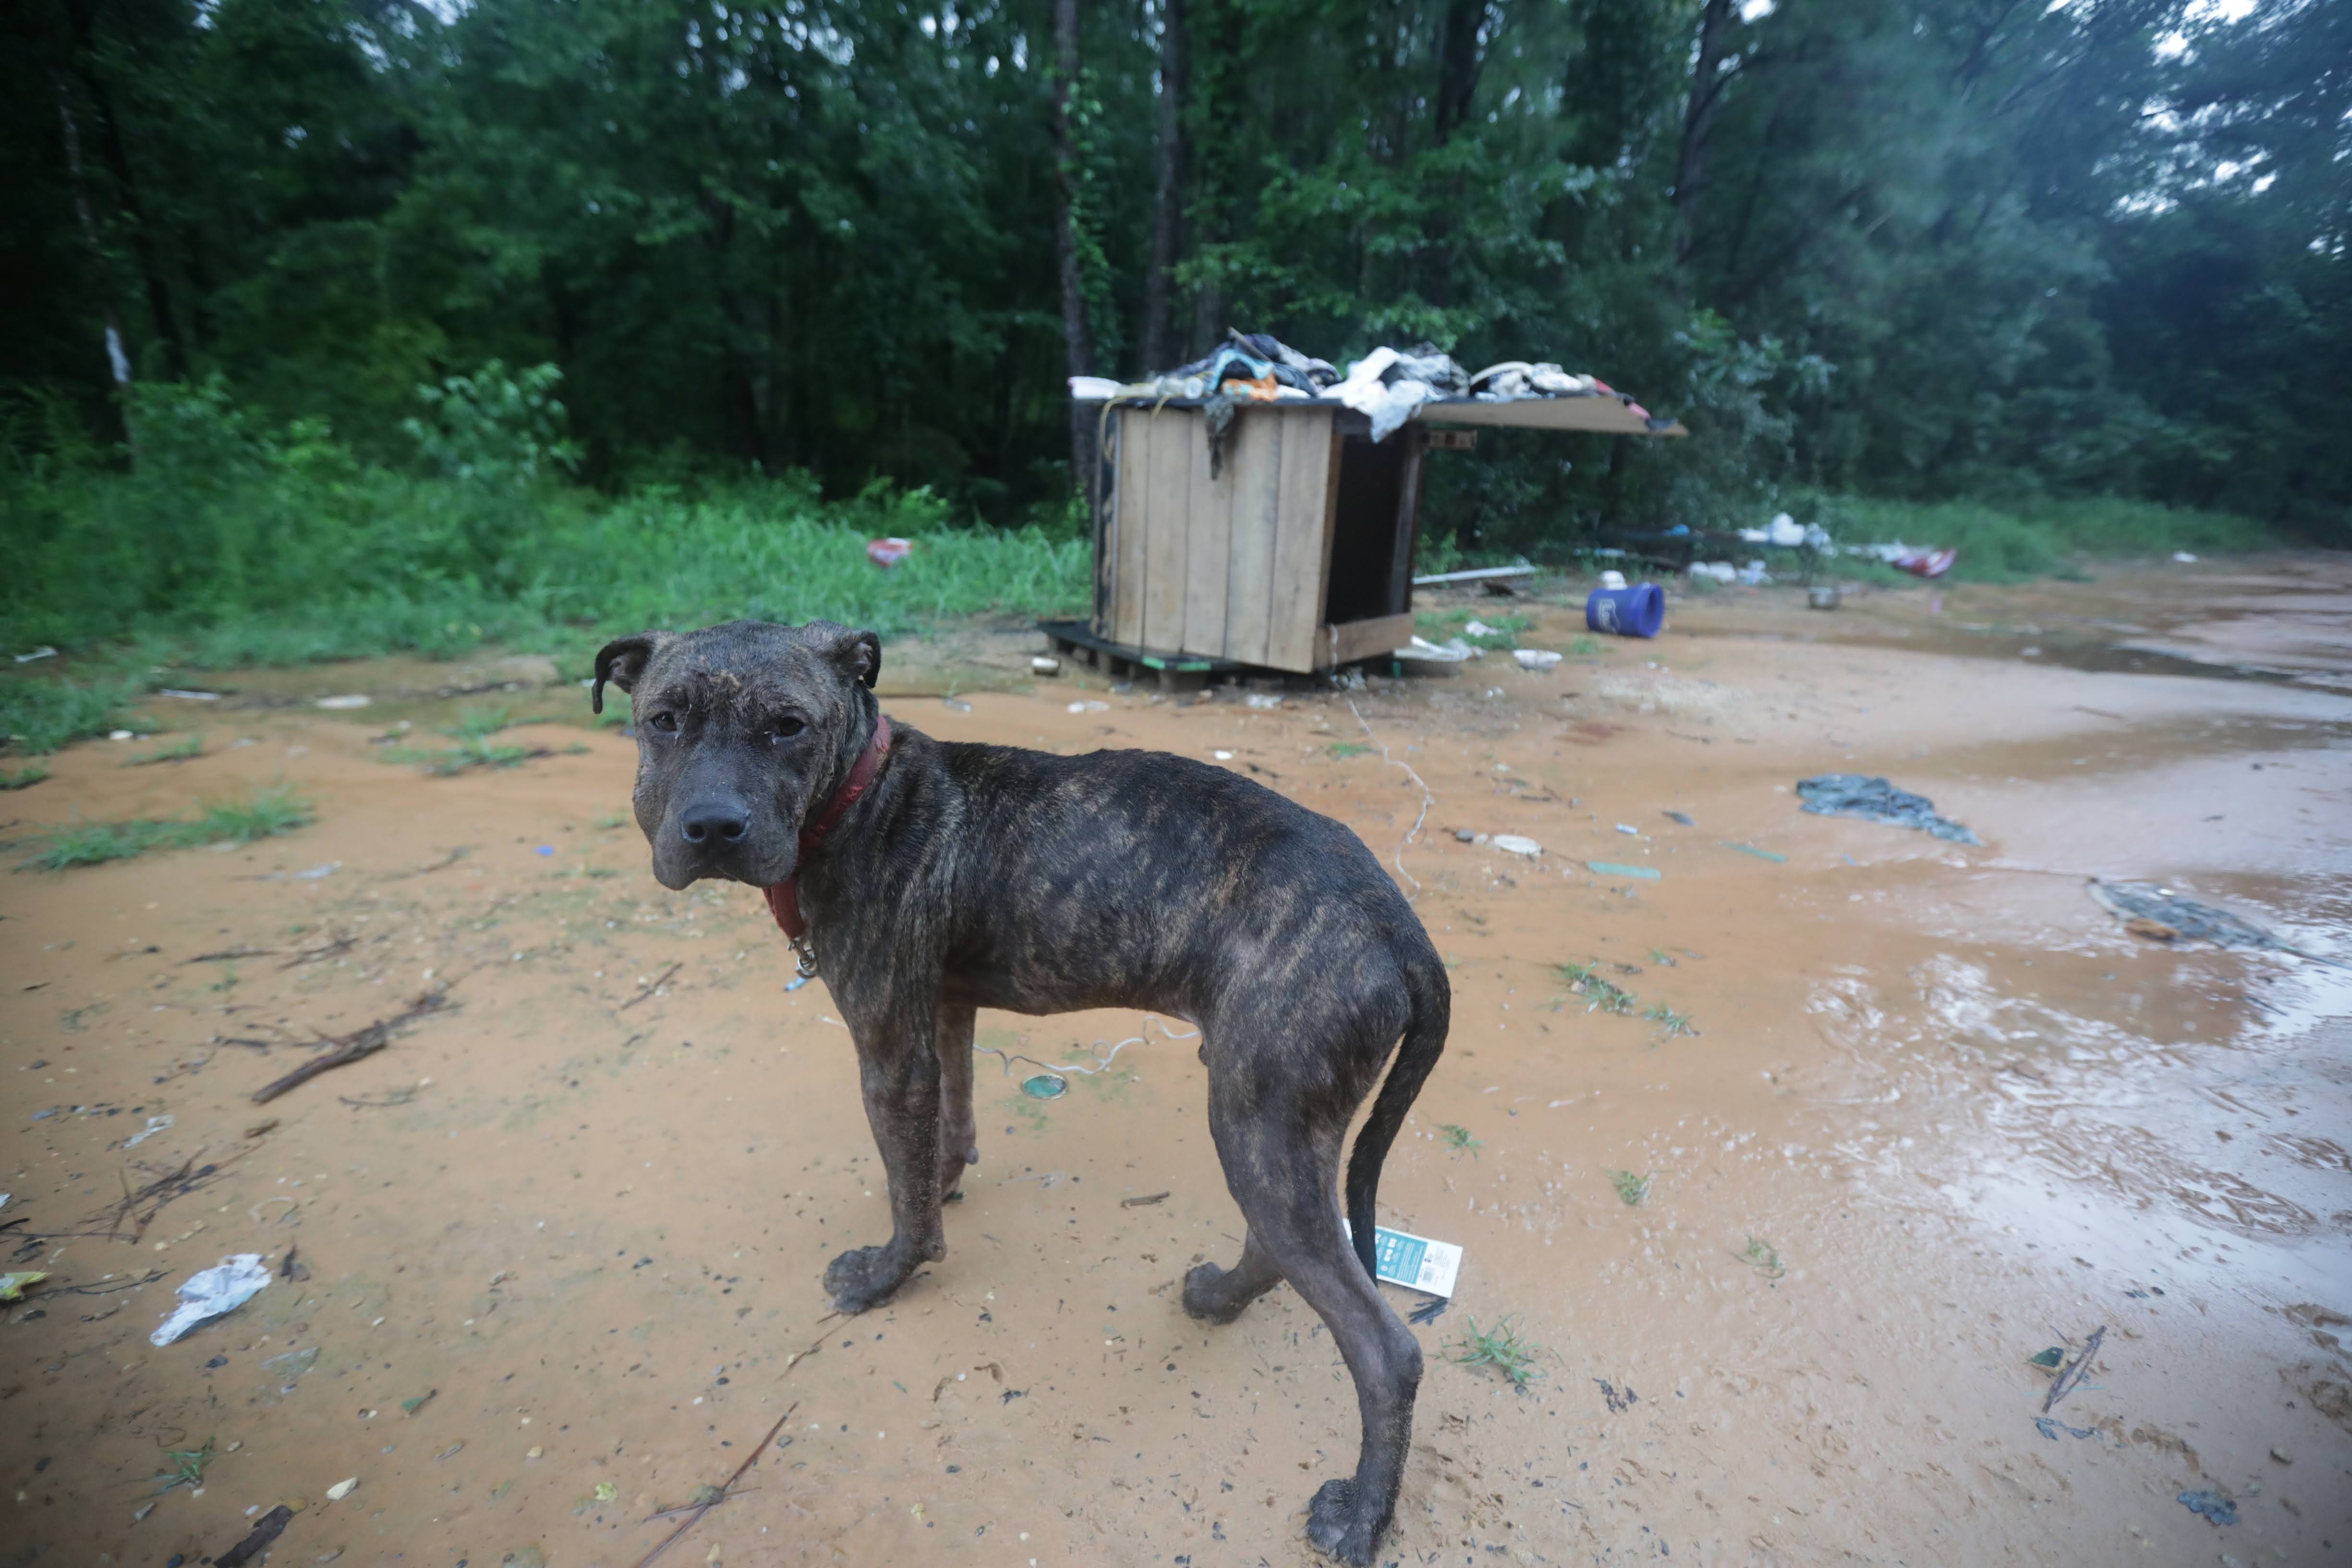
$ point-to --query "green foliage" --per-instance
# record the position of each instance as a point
(22, 778)
(1501, 1347)
(2041, 537)
(1600, 994)
(1671, 1022)
(266, 813)
(177, 752)
(39, 713)
(1460, 1138)
(1632, 1186)
(492, 429)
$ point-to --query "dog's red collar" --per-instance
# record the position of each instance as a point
(784, 898)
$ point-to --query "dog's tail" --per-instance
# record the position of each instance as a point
(1424, 1042)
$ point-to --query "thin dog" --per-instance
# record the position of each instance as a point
(927, 879)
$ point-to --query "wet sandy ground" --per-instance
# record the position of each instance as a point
(1940, 1113)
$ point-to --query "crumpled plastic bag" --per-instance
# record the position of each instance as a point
(213, 1293)
(1876, 800)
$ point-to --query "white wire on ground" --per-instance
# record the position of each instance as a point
(1427, 799)
(1102, 1057)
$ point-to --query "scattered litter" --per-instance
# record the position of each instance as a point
(1716, 571)
(355, 700)
(1824, 597)
(318, 873)
(1263, 700)
(265, 1530)
(1413, 1261)
(2185, 558)
(1753, 576)
(1613, 579)
(189, 696)
(1478, 629)
(2050, 1428)
(1223, 756)
(2071, 1378)
(215, 1293)
(1453, 651)
(412, 1406)
(1759, 854)
(2050, 1360)
(342, 1490)
(1611, 868)
(155, 1124)
(292, 1364)
(1684, 818)
(1092, 705)
(2212, 1505)
(1045, 664)
(120, 734)
(1146, 1201)
(889, 552)
(1428, 1311)
(1536, 658)
(955, 704)
(1876, 800)
(1512, 843)
(44, 651)
(1045, 1085)
(12, 1285)
(2162, 915)
(1631, 832)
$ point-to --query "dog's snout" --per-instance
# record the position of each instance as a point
(707, 821)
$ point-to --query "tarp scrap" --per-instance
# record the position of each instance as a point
(1876, 800)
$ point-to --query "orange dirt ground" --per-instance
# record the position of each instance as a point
(1940, 1111)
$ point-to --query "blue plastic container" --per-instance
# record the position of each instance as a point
(1639, 611)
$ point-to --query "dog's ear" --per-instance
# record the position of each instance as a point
(621, 661)
(857, 655)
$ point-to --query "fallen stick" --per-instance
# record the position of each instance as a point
(656, 983)
(2070, 1378)
(265, 1530)
(329, 950)
(226, 953)
(357, 1045)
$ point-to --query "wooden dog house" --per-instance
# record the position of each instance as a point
(1293, 550)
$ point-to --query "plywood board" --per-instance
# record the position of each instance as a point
(1209, 547)
(1253, 464)
(1363, 640)
(1546, 413)
(1131, 524)
(1309, 469)
(1170, 476)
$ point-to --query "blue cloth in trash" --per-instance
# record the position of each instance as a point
(1875, 800)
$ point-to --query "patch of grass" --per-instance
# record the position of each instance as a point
(183, 1468)
(1601, 994)
(1347, 748)
(1460, 1138)
(2015, 541)
(39, 714)
(1501, 1347)
(1764, 1257)
(1630, 1187)
(1659, 955)
(1667, 1018)
(475, 723)
(177, 752)
(1502, 630)
(23, 778)
(269, 814)
(1585, 647)
(611, 820)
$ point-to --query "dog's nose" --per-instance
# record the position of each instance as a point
(714, 821)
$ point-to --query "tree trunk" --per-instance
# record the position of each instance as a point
(118, 363)
(1707, 78)
(1459, 60)
(82, 23)
(1075, 332)
(1168, 208)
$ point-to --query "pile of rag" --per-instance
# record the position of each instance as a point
(1388, 387)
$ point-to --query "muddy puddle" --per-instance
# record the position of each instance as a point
(1900, 1116)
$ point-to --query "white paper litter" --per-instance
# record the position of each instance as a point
(1512, 843)
(1535, 658)
(342, 1490)
(1413, 1261)
(353, 701)
(155, 1124)
(1088, 706)
(214, 1293)
(1263, 700)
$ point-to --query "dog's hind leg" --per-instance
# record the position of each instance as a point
(1283, 1172)
(959, 1135)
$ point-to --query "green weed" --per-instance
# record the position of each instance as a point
(38, 714)
(2042, 538)
(183, 1468)
(177, 752)
(1460, 1138)
(1601, 994)
(1764, 1257)
(1667, 1018)
(1585, 647)
(611, 820)
(1630, 1187)
(1347, 748)
(1500, 1347)
(1502, 630)
(475, 723)
(23, 778)
(475, 749)
(1660, 956)
(267, 815)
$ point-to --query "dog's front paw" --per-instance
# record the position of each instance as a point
(1333, 1524)
(864, 1277)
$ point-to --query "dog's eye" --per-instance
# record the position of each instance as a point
(665, 722)
(786, 729)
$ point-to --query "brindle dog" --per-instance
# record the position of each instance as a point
(971, 876)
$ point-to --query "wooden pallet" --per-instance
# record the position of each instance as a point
(1076, 640)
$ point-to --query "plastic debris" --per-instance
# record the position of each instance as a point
(1628, 831)
(214, 1293)
(1824, 596)
(120, 734)
(155, 1124)
(1045, 664)
(1613, 579)
(44, 651)
(354, 701)
(342, 1490)
(12, 1286)
(1535, 658)
(1045, 1085)
(1088, 705)
(2212, 1505)
(1875, 800)
(2163, 915)
(1263, 699)
(1414, 1262)
(1611, 868)
(889, 552)
(320, 873)
(2050, 1428)
(1684, 818)
(2048, 1360)
(2185, 558)
(1759, 854)
(1512, 843)
(188, 696)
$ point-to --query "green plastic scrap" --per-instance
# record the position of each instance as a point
(12, 1286)
(1759, 854)
(1611, 868)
